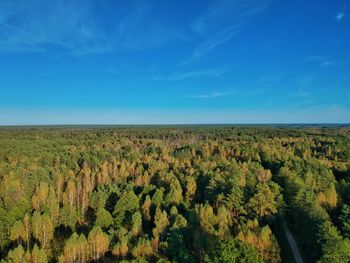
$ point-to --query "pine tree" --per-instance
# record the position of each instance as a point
(263, 203)
(175, 194)
(128, 202)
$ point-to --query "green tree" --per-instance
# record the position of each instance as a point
(263, 203)
(125, 207)
(345, 220)
(52, 206)
(175, 194)
(232, 251)
(136, 223)
(18, 231)
(177, 248)
(17, 255)
(161, 222)
(157, 198)
(103, 218)
(207, 218)
(334, 247)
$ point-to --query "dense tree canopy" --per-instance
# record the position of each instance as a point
(173, 194)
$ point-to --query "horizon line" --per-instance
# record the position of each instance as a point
(171, 124)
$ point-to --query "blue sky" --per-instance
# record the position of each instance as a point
(198, 61)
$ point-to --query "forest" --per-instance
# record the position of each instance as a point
(174, 194)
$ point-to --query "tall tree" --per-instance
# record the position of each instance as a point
(126, 206)
(17, 255)
(98, 243)
(38, 255)
(43, 229)
(263, 203)
(40, 196)
(18, 231)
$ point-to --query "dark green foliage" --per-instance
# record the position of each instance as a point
(125, 207)
(177, 249)
(233, 251)
(345, 220)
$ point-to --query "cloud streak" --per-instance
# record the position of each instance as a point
(237, 93)
(78, 27)
(216, 72)
(315, 58)
(339, 16)
(323, 61)
(48, 73)
(209, 95)
(177, 75)
(221, 22)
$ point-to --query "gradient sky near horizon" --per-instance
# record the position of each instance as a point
(155, 61)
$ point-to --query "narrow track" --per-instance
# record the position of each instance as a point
(292, 244)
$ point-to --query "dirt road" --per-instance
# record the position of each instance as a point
(292, 244)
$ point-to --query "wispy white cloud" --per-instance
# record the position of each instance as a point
(216, 72)
(235, 92)
(329, 63)
(316, 58)
(303, 93)
(326, 63)
(209, 95)
(112, 71)
(300, 93)
(216, 40)
(339, 16)
(323, 61)
(48, 73)
(78, 27)
(222, 21)
(186, 75)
